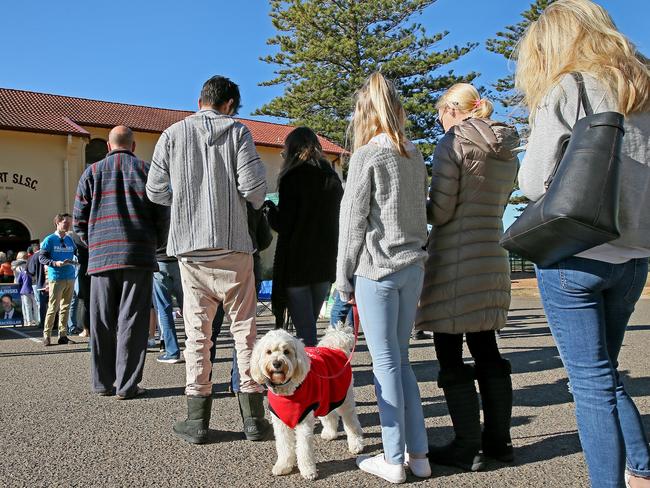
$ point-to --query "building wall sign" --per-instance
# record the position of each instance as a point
(18, 179)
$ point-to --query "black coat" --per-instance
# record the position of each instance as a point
(307, 222)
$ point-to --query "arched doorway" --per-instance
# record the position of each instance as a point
(96, 150)
(14, 236)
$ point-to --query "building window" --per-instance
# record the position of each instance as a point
(95, 151)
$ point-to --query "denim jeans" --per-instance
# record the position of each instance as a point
(387, 311)
(74, 307)
(305, 303)
(41, 297)
(167, 283)
(588, 304)
(341, 311)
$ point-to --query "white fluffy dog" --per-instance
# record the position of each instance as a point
(295, 375)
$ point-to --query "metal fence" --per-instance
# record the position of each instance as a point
(520, 265)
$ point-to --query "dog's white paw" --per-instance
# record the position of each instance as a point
(280, 469)
(355, 444)
(310, 473)
(328, 435)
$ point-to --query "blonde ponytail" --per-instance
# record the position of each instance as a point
(378, 110)
(466, 98)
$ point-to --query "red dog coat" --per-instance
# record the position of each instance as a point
(315, 393)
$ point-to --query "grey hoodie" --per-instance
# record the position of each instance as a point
(206, 167)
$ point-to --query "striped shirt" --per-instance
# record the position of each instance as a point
(206, 167)
(114, 216)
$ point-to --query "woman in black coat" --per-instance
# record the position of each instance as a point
(306, 220)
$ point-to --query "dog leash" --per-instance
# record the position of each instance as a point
(355, 319)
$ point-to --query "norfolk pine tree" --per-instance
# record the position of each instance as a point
(505, 43)
(327, 48)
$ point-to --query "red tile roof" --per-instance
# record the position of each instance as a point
(57, 114)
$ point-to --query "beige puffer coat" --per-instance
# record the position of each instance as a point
(467, 275)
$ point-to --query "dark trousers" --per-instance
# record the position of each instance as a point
(482, 346)
(305, 303)
(84, 294)
(120, 305)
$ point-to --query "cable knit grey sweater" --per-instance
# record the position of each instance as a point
(383, 223)
(206, 168)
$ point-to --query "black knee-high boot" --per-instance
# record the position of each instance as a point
(462, 401)
(495, 386)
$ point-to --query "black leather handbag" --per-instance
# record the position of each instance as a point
(579, 210)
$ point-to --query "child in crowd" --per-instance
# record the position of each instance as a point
(23, 278)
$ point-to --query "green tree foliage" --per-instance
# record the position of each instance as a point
(505, 43)
(326, 49)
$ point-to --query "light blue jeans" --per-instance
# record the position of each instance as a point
(387, 311)
(588, 304)
(167, 282)
(341, 311)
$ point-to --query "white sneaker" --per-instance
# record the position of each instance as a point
(377, 465)
(420, 467)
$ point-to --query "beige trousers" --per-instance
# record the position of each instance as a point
(60, 297)
(229, 280)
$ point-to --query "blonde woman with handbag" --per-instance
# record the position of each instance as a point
(589, 297)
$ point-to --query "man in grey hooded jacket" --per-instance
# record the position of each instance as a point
(206, 168)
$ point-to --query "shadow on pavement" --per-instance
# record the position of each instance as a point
(335, 466)
(548, 447)
(165, 392)
(46, 352)
(535, 359)
(219, 436)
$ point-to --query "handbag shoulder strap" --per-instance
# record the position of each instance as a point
(583, 100)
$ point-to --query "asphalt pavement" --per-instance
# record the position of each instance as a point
(55, 432)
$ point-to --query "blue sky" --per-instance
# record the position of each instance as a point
(158, 53)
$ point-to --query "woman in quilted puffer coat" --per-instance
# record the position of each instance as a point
(467, 275)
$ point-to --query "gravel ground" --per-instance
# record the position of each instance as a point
(54, 432)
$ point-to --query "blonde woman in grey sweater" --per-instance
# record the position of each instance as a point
(589, 298)
(381, 266)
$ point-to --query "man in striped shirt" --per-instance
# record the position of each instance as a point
(206, 168)
(122, 228)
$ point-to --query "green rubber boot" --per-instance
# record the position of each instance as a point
(194, 429)
(256, 427)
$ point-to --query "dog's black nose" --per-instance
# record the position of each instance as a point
(277, 364)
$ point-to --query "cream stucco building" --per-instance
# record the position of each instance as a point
(46, 142)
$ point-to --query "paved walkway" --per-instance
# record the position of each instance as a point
(53, 432)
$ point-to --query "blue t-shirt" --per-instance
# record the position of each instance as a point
(60, 249)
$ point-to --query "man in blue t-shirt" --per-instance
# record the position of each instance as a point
(58, 254)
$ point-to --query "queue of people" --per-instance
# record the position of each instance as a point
(187, 233)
